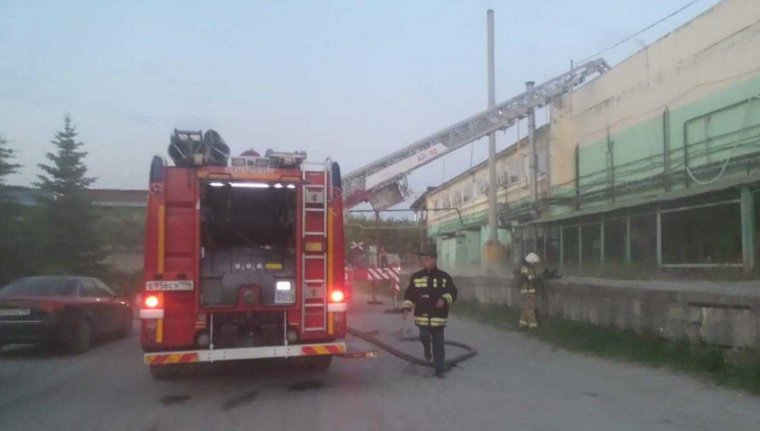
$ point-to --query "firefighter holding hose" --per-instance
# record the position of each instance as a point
(430, 293)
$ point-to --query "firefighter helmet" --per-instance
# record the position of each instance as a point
(532, 258)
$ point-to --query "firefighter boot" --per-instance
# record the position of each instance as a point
(425, 337)
(530, 313)
(523, 319)
(524, 315)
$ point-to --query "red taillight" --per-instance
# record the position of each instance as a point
(50, 307)
(337, 296)
(151, 301)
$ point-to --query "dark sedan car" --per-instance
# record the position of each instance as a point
(64, 310)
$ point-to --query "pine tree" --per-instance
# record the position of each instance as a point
(73, 241)
(11, 263)
(7, 166)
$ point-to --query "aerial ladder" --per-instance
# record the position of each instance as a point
(383, 182)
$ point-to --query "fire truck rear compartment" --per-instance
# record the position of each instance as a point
(248, 240)
(248, 329)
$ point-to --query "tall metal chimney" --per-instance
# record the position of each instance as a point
(492, 185)
(532, 143)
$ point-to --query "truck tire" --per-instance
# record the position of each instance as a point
(321, 364)
(80, 338)
(163, 372)
(314, 364)
(125, 331)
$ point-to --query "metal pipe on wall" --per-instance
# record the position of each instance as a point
(577, 177)
(666, 148)
(580, 247)
(611, 165)
(561, 246)
(747, 210)
(601, 241)
(659, 237)
(628, 239)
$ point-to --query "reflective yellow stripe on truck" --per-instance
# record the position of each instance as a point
(160, 331)
(161, 237)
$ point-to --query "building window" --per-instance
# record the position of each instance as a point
(516, 170)
(541, 162)
(502, 178)
(481, 187)
(457, 198)
(467, 193)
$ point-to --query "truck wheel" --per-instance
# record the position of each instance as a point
(80, 338)
(125, 331)
(321, 364)
(163, 372)
(314, 364)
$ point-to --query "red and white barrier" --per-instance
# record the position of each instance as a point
(392, 273)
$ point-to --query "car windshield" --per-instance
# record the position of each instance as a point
(41, 286)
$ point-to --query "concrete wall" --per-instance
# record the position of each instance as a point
(726, 315)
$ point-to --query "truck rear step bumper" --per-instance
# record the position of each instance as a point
(192, 356)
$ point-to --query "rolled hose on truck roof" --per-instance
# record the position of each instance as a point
(370, 338)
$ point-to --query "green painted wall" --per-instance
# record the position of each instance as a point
(454, 225)
(447, 250)
(460, 250)
(719, 125)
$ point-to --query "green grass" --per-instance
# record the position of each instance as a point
(648, 349)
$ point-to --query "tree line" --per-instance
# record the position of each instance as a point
(395, 236)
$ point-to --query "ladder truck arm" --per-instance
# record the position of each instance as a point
(389, 172)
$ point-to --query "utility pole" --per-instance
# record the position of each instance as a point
(492, 187)
(532, 144)
(492, 254)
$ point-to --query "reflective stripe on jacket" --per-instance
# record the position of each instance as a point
(424, 290)
(526, 284)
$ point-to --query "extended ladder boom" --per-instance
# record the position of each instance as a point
(361, 183)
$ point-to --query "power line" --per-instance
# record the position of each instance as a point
(639, 32)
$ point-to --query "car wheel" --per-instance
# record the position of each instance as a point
(81, 338)
(125, 331)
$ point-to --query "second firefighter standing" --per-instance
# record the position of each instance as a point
(528, 283)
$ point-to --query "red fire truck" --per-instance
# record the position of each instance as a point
(243, 257)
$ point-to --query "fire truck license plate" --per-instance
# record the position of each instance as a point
(161, 285)
(15, 312)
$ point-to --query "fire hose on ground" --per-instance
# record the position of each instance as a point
(370, 338)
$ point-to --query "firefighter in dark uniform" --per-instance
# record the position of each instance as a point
(430, 293)
(528, 282)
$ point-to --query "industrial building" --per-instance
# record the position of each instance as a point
(653, 165)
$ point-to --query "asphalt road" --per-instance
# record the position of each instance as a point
(515, 383)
